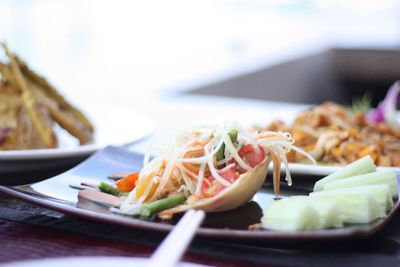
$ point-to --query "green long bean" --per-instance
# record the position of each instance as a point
(148, 210)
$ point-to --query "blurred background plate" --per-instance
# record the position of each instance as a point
(321, 170)
(114, 125)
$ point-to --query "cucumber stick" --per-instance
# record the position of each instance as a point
(355, 194)
(360, 204)
(290, 215)
(380, 192)
(388, 177)
(361, 166)
(327, 209)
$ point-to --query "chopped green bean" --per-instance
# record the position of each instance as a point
(233, 134)
(221, 151)
(148, 210)
(109, 189)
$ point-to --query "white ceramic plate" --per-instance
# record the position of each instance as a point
(322, 170)
(113, 125)
(89, 261)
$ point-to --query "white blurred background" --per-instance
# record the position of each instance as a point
(128, 52)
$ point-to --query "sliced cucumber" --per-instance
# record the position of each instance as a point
(359, 204)
(361, 166)
(381, 193)
(290, 215)
(327, 209)
(388, 177)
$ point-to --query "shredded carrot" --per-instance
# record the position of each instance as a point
(201, 143)
(196, 197)
(276, 170)
(193, 167)
(164, 163)
(194, 153)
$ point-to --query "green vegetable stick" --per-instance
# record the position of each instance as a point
(221, 151)
(109, 189)
(380, 192)
(359, 204)
(290, 215)
(388, 177)
(360, 166)
(166, 203)
(327, 209)
(233, 135)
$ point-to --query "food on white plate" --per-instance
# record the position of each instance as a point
(358, 167)
(213, 168)
(336, 135)
(30, 107)
(388, 177)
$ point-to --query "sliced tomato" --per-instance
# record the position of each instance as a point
(230, 174)
(212, 187)
(253, 157)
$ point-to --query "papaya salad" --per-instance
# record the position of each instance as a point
(212, 168)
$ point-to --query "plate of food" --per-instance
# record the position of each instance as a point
(221, 169)
(39, 127)
(336, 135)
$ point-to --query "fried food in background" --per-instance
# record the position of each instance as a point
(29, 108)
(334, 135)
